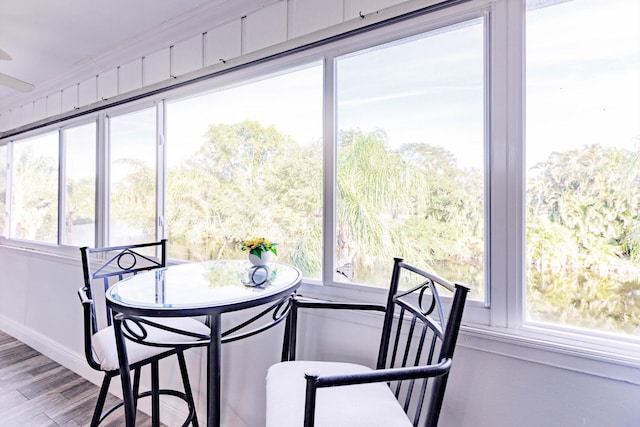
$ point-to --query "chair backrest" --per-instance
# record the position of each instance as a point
(418, 332)
(104, 266)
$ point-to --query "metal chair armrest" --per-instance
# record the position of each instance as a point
(315, 381)
(303, 302)
(89, 327)
(381, 375)
(289, 344)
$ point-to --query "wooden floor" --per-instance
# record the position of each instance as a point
(37, 392)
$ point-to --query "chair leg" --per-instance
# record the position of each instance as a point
(102, 396)
(286, 345)
(136, 387)
(187, 388)
(125, 374)
(155, 394)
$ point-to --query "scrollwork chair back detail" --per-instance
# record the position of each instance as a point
(422, 317)
(105, 352)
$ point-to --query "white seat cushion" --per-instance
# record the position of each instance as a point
(104, 341)
(362, 405)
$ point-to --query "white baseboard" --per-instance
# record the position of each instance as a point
(53, 350)
(171, 415)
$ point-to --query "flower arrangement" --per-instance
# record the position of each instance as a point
(259, 245)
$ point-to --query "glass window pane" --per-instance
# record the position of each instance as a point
(132, 187)
(246, 162)
(34, 205)
(411, 157)
(583, 164)
(80, 196)
(3, 190)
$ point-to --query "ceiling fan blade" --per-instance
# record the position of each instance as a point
(16, 84)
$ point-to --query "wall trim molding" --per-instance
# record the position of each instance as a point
(534, 348)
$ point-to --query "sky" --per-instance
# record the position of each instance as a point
(291, 102)
(582, 88)
(583, 81)
(437, 99)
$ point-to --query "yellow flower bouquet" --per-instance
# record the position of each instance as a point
(259, 246)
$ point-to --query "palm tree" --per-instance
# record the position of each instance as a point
(413, 202)
(369, 194)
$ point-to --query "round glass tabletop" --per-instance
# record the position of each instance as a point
(222, 284)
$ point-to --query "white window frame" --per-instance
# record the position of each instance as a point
(58, 247)
(497, 326)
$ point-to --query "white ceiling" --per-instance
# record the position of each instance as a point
(50, 40)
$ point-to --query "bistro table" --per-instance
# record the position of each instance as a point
(210, 289)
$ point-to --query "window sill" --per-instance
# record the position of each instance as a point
(604, 357)
(611, 359)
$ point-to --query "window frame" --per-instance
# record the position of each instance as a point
(491, 325)
(59, 246)
(229, 82)
(621, 348)
(477, 311)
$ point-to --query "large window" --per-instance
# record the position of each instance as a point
(34, 189)
(379, 145)
(133, 177)
(583, 164)
(246, 162)
(410, 159)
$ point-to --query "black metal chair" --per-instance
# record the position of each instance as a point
(413, 363)
(162, 337)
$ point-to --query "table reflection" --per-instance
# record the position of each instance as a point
(198, 284)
